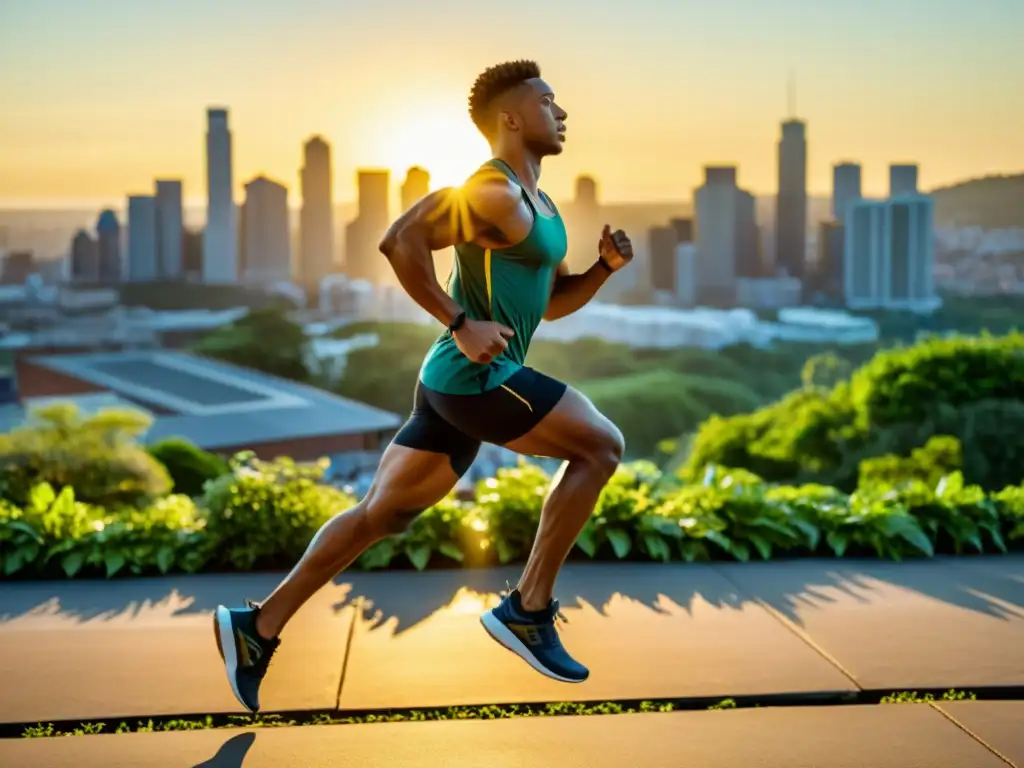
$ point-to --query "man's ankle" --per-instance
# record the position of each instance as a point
(531, 603)
(261, 628)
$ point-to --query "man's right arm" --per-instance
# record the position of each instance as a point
(442, 219)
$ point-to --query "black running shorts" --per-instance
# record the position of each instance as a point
(457, 424)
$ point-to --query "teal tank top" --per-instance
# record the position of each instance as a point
(511, 286)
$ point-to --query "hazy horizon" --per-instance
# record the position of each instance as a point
(110, 96)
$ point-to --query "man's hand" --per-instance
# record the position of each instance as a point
(614, 248)
(481, 340)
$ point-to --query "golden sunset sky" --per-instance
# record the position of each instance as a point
(99, 97)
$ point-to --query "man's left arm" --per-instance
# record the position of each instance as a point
(570, 292)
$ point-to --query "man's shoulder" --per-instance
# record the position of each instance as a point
(491, 188)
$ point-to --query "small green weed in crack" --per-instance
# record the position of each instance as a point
(911, 697)
(490, 712)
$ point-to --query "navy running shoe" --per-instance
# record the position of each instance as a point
(532, 635)
(246, 655)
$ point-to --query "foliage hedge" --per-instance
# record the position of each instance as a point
(971, 389)
(263, 515)
(919, 451)
(189, 467)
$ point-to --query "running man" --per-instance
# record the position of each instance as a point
(509, 274)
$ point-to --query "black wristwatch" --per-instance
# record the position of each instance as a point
(605, 264)
(457, 323)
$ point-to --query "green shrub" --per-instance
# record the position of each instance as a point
(443, 530)
(264, 514)
(265, 340)
(53, 534)
(97, 456)
(189, 467)
(621, 506)
(508, 509)
(992, 435)
(1010, 503)
(940, 456)
(657, 404)
(971, 389)
(913, 384)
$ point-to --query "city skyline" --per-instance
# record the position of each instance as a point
(907, 83)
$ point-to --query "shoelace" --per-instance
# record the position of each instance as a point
(556, 612)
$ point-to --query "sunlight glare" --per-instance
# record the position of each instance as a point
(469, 601)
(443, 141)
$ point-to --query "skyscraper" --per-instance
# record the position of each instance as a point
(364, 232)
(683, 228)
(902, 179)
(791, 210)
(84, 258)
(829, 270)
(661, 259)
(725, 221)
(220, 243)
(170, 220)
(748, 240)
(586, 191)
(142, 242)
(889, 254)
(415, 187)
(908, 254)
(268, 253)
(108, 240)
(845, 188)
(862, 254)
(316, 219)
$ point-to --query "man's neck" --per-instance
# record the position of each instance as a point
(524, 164)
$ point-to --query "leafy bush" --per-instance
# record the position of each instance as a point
(97, 456)
(265, 340)
(910, 385)
(443, 530)
(657, 404)
(189, 467)
(971, 389)
(264, 514)
(508, 509)
(53, 534)
(940, 456)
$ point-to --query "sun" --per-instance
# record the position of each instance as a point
(445, 143)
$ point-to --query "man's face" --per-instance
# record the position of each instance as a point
(543, 121)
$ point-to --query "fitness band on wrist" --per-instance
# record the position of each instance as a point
(455, 324)
(605, 264)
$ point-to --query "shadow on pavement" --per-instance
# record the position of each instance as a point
(232, 752)
(135, 598)
(993, 586)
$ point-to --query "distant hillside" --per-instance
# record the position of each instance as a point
(992, 202)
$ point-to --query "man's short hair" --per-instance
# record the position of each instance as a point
(492, 83)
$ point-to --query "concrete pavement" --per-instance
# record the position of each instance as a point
(144, 647)
(884, 736)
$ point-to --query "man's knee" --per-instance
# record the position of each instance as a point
(606, 449)
(385, 520)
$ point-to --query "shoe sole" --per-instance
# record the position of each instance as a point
(507, 638)
(226, 645)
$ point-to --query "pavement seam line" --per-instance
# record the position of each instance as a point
(796, 630)
(348, 649)
(937, 706)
